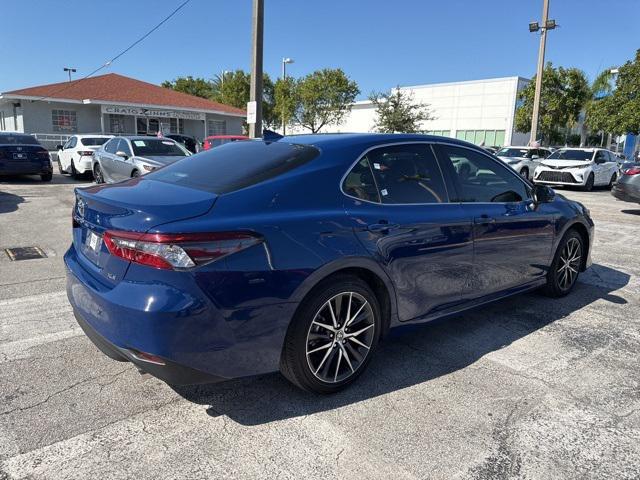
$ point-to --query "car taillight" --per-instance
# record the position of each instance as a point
(43, 154)
(177, 250)
(85, 153)
(632, 171)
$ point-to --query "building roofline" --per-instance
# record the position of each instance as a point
(466, 82)
(90, 101)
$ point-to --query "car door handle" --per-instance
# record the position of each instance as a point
(382, 227)
(484, 220)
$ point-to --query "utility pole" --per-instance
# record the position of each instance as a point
(255, 96)
(285, 60)
(534, 27)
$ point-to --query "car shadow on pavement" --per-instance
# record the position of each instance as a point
(35, 180)
(410, 355)
(631, 212)
(9, 202)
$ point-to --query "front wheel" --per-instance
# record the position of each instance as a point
(525, 173)
(332, 336)
(589, 185)
(135, 174)
(563, 274)
(614, 177)
(97, 174)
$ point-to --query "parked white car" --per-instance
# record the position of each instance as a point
(523, 160)
(74, 157)
(580, 167)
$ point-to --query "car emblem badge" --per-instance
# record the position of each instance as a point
(81, 207)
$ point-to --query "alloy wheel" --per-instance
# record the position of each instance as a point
(340, 337)
(97, 174)
(569, 264)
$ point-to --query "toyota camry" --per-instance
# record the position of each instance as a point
(300, 254)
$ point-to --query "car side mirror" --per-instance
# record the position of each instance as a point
(59, 147)
(543, 194)
(535, 157)
(121, 154)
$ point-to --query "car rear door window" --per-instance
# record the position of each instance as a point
(123, 146)
(407, 174)
(359, 182)
(480, 179)
(236, 165)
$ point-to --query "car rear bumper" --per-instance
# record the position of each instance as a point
(197, 339)
(84, 165)
(626, 192)
(28, 170)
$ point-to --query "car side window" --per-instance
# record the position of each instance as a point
(359, 182)
(124, 147)
(73, 141)
(407, 174)
(111, 145)
(601, 156)
(481, 179)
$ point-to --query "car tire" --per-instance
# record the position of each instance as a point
(60, 169)
(588, 186)
(135, 174)
(47, 177)
(316, 345)
(562, 278)
(97, 174)
(524, 173)
(614, 177)
(74, 173)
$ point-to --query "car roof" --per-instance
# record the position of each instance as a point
(92, 135)
(354, 139)
(225, 136)
(143, 137)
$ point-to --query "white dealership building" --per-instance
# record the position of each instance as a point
(479, 111)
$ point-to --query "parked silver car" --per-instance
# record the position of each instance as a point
(126, 157)
(523, 160)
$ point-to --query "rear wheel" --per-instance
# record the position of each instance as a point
(74, 172)
(135, 174)
(525, 173)
(46, 177)
(333, 336)
(614, 177)
(563, 274)
(97, 173)
(589, 185)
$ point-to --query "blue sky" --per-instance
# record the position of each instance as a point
(378, 43)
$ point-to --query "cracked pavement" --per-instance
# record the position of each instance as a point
(526, 388)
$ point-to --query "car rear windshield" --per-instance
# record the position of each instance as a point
(513, 152)
(93, 141)
(156, 147)
(18, 140)
(570, 155)
(236, 165)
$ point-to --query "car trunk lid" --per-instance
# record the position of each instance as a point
(27, 158)
(133, 206)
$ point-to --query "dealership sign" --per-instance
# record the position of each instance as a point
(152, 112)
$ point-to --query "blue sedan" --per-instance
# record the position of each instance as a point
(300, 254)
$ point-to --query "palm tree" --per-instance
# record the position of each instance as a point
(602, 86)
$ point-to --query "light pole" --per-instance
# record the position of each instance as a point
(285, 60)
(534, 27)
(255, 94)
(69, 70)
(224, 74)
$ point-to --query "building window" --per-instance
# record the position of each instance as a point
(116, 124)
(216, 127)
(489, 138)
(64, 120)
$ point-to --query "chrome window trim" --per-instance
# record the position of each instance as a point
(431, 143)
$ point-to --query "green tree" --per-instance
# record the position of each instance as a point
(398, 113)
(323, 98)
(193, 86)
(564, 93)
(285, 100)
(234, 89)
(619, 112)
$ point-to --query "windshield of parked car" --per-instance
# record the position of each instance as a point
(93, 141)
(513, 152)
(157, 147)
(236, 165)
(571, 155)
(18, 140)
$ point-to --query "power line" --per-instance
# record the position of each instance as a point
(109, 62)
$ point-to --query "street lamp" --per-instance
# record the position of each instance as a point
(534, 27)
(69, 70)
(285, 61)
(224, 74)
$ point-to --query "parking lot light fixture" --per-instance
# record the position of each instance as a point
(69, 70)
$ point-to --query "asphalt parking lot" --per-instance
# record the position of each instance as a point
(526, 388)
